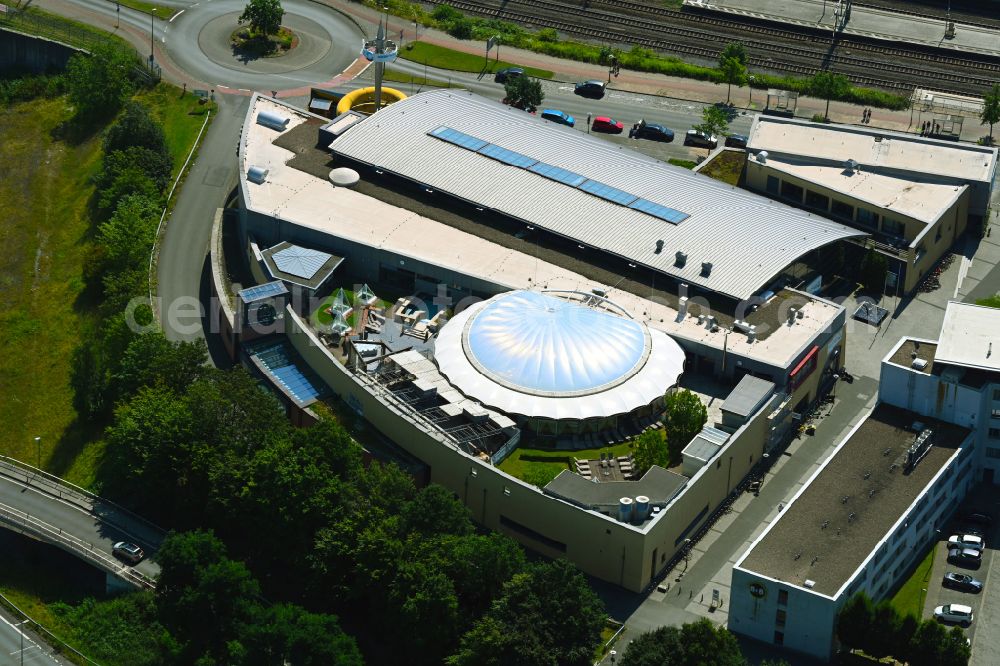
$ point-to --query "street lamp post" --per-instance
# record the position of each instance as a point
(38, 446)
(151, 16)
(118, 14)
(750, 80)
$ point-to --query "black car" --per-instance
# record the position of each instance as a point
(966, 557)
(737, 141)
(508, 73)
(591, 89)
(644, 130)
(963, 582)
(979, 518)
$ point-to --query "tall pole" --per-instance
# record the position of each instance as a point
(38, 446)
(379, 65)
(151, 37)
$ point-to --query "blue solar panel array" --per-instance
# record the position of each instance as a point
(278, 360)
(656, 210)
(558, 174)
(608, 193)
(262, 291)
(296, 383)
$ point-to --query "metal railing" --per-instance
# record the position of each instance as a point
(67, 491)
(21, 521)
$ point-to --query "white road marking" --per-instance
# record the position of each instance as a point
(176, 15)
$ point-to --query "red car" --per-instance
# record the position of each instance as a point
(607, 125)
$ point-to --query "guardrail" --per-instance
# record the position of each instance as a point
(65, 490)
(23, 522)
(57, 645)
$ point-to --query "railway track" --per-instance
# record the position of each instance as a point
(781, 57)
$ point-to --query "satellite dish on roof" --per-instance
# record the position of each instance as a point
(344, 177)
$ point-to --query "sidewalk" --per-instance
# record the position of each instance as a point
(648, 83)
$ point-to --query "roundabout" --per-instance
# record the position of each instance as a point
(198, 40)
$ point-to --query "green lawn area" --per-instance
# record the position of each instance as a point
(684, 164)
(320, 315)
(910, 596)
(539, 466)
(403, 77)
(161, 12)
(45, 184)
(727, 166)
(459, 61)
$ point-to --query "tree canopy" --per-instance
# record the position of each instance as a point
(735, 51)
(684, 418)
(692, 644)
(991, 108)
(650, 448)
(264, 16)
(98, 84)
(828, 85)
(714, 121)
(523, 92)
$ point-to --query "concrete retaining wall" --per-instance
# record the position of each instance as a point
(19, 52)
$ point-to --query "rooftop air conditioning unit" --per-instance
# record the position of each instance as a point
(272, 120)
(706, 268)
(681, 259)
(659, 247)
(918, 364)
(256, 174)
(762, 157)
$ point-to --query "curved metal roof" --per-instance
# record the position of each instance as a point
(747, 238)
(535, 355)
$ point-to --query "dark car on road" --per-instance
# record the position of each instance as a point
(557, 116)
(591, 89)
(962, 582)
(508, 73)
(966, 557)
(651, 131)
(737, 141)
(700, 139)
(127, 551)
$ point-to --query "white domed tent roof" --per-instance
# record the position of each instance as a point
(537, 355)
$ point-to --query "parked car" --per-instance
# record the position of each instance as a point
(591, 89)
(127, 551)
(966, 541)
(957, 613)
(700, 139)
(508, 73)
(979, 518)
(644, 130)
(607, 125)
(962, 582)
(737, 141)
(969, 557)
(557, 116)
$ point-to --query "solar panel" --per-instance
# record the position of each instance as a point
(507, 156)
(557, 174)
(608, 193)
(261, 291)
(300, 261)
(458, 138)
(656, 210)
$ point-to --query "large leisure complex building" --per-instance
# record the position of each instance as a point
(546, 290)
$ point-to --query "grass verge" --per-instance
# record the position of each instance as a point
(539, 466)
(684, 164)
(911, 594)
(459, 61)
(727, 166)
(161, 12)
(403, 77)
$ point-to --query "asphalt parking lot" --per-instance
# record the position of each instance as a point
(986, 604)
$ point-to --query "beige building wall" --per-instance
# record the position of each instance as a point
(599, 545)
(939, 236)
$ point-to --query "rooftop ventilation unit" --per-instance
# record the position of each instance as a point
(680, 259)
(272, 120)
(762, 157)
(256, 174)
(791, 316)
(706, 268)
(851, 165)
(918, 364)
(659, 247)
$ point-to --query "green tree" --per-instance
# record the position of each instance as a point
(886, 624)
(733, 71)
(735, 51)
(902, 639)
(524, 92)
(152, 360)
(128, 235)
(287, 634)
(135, 127)
(98, 84)
(872, 271)
(828, 85)
(991, 108)
(546, 615)
(692, 644)
(714, 121)
(461, 28)
(135, 171)
(435, 511)
(264, 16)
(650, 448)
(928, 639)
(955, 650)
(445, 13)
(854, 621)
(684, 418)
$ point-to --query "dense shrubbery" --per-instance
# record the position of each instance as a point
(30, 86)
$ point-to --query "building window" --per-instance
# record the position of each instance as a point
(995, 414)
(791, 191)
(817, 200)
(921, 251)
(779, 638)
(867, 218)
(992, 452)
(996, 394)
(893, 227)
(782, 597)
(842, 210)
(772, 184)
(779, 619)
(994, 433)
